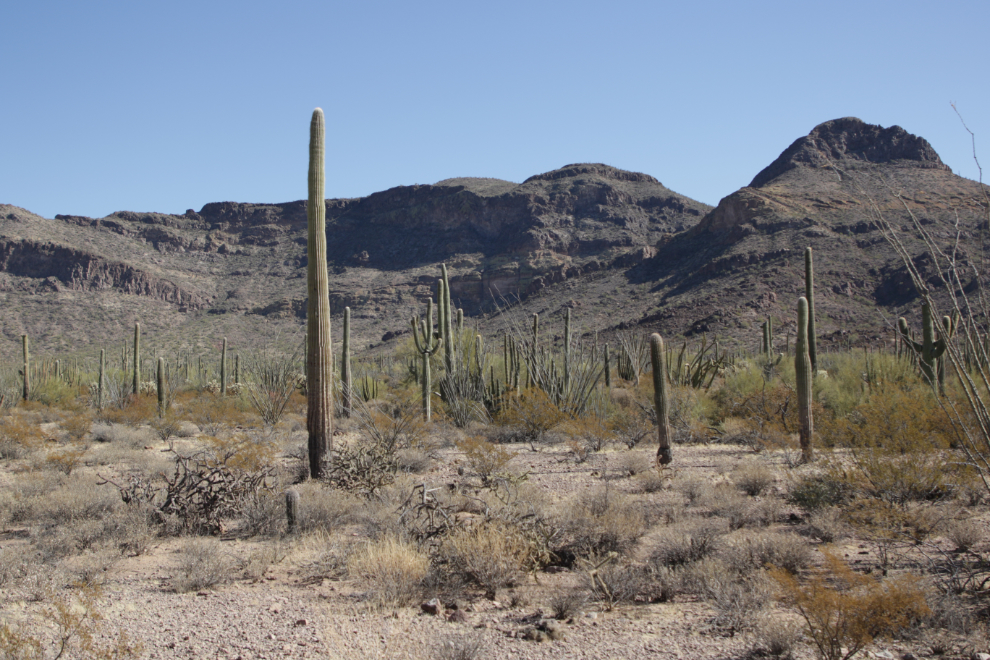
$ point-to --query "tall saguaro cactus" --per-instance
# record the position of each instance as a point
(137, 358)
(99, 387)
(659, 360)
(803, 375)
(27, 368)
(809, 294)
(445, 319)
(160, 382)
(223, 368)
(930, 349)
(567, 349)
(319, 355)
(345, 365)
(427, 343)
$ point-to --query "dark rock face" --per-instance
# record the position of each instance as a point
(850, 138)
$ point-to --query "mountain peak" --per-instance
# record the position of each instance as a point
(850, 138)
(594, 169)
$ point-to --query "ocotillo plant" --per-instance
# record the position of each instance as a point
(137, 358)
(657, 357)
(345, 365)
(161, 387)
(809, 293)
(319, 355)
(429, 345)
(929, 349)
(223, 368)
(803, 375)
(26, 368)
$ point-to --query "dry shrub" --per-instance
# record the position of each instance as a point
(414, 461)
(393, 569)
(776, 636)
(827, 525)
(631, 464)
(725, 501)
(18, 436)
(491, 555)
(73, 625)
(650, 482)
(820, 490)
(589, 430)
(264, 514)
(202, 564)
(599, 523)
(64, 459)
(844, 610)
(77, 425)
(120, 434)
(749, 551)
(965, 534)
(900, 446)
(631, 426)
(134, 411)
(686, 543)
(695, 489)
(611, 582)
(460, 647)
(752, 478)
(566, 603)
(213, 413)
(326, 509)
(486, 459)
(533, 412)
(246, 452)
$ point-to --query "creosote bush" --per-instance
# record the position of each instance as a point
(844, 610)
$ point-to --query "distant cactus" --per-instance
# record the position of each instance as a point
(929, 349)
(608, 369)
(803, 375)
(567, 349)
(445, 319)
(427, 343)
(26, 368)
(660, 402)
(99, 387)
(292, 510)
(137, 358)
(223, 368)
(319, 346)
(161, 387)
(345, 365)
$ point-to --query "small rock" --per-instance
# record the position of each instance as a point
(981, 656)
(433, 607)
(457, 616)
(301, 622)
(909, 656)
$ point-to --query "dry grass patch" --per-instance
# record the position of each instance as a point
(393, 569)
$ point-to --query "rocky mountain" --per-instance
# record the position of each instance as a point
(238, 269)
(617, 247)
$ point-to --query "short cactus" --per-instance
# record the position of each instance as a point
(929, 349)
(658, 358)
(223, 368)
(26, 368)
(803, 375)
(345, 366)
(137, 358)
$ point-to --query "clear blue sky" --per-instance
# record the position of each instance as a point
(165, 106)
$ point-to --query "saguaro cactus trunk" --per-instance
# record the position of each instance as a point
(223, 368)
(659, 360)
(99, 387)
(160, 383)
(803, 374)
(319, 356)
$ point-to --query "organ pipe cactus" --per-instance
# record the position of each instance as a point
(930, 349)
(345, 365)
(427, 344)
(809, 294)
(803, 375)
(660, 402)
(319, 355)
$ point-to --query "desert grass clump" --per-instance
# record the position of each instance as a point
(753, 478)
(965, 534)
(485, 458)
(202, 565)
(19, 436)
(611, 581)
(748, 551)
(598, 523)
(827, 524)
(567, 603)
(844, 610)
(490, 555)
(688, 542)
(393, 570)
